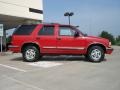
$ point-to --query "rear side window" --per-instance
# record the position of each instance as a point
(47, 30)
(25, 30)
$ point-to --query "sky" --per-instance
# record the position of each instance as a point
(92, 16)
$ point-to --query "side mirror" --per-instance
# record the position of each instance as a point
(85, 34)
(76, 34)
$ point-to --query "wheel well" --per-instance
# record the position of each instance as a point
(102, 46)
(30, 44)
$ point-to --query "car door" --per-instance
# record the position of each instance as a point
(67, 43)
(47, 39)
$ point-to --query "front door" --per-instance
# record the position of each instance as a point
(67, 43)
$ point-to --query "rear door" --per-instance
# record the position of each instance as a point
(47, 39)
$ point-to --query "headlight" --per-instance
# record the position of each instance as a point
(110, 44)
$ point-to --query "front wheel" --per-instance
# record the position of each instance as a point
(31, 54)
(95, 54)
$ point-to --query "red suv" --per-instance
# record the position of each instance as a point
(34, 41)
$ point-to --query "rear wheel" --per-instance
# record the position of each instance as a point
(31, 54)
(95, 54)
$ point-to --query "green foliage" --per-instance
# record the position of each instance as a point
(8, 39)
(105, 34)
(118, 40)
(118, 43)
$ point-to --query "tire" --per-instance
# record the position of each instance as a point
(30, 54)
(95, 54)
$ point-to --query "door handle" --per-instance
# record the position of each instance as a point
(58, 38)
(37, 38)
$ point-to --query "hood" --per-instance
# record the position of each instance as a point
(98, 38)
(95, 37)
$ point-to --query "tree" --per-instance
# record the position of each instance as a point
(118, 40)
(105, 34)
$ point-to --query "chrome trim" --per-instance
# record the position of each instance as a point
(49, 47)
(11, 46)
(78, 48)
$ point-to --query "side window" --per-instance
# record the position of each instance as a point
(47, 30)
(24, 30)
(66, 31)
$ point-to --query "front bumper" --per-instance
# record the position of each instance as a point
(109, 50)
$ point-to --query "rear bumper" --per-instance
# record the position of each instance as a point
(109, 50)
(14, 49)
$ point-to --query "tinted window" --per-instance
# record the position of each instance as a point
(47, 30)
(66, 31)
(24, 30)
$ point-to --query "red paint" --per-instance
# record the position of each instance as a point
(57, 45)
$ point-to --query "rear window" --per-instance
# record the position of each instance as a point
(25, 30)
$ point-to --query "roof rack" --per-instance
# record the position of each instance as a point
(49, 23)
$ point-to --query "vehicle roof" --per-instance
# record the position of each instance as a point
(48, 24)
(54, 24)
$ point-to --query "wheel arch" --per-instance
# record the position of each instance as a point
(30, 44)
(96, 44)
